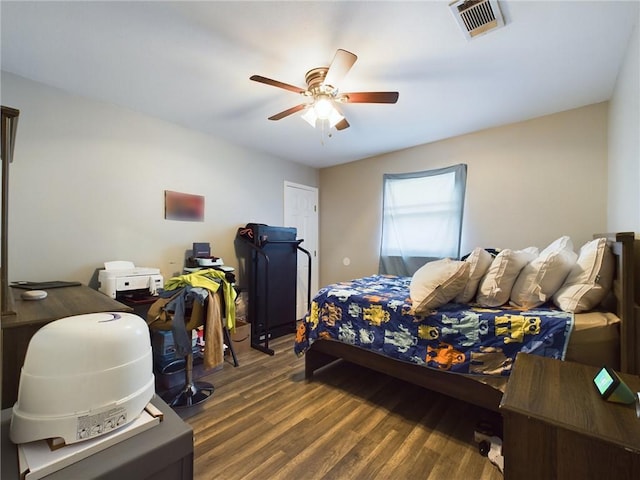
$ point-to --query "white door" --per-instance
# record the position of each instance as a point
(301, 212)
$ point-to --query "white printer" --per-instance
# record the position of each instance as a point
(122, 276)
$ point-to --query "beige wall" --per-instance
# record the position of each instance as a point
(527, 184)
(88, 179)
(624, 144)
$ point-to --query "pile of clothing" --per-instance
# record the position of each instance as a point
(182, 296)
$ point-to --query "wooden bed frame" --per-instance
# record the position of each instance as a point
(626, 248)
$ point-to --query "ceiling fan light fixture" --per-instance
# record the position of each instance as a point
(321, 111)
(334, 117)
(310, 117)
(323, 108)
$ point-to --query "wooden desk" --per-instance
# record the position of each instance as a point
(31, 315)
(556, 426)
(164, 452)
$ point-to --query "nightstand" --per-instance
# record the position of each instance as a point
(556, 426)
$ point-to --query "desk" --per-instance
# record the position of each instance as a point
(164, 452)
(31, 315)
(557, 426)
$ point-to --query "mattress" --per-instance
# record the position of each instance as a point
(595, 339)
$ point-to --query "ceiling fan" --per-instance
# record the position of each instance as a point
(322, 95)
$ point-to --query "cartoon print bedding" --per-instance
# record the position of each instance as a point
(374, 313)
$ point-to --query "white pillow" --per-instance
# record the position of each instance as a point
(590, 278)
(437, 283)
(495, 286)
(544, 275)
(479, 261)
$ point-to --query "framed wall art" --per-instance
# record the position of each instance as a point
(183, 206)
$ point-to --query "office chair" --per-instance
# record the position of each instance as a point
(192, 392)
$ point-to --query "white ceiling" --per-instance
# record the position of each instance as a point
(190, 63)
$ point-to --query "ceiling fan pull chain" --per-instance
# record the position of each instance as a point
(323, 123)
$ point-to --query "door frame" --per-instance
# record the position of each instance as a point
(315, 257)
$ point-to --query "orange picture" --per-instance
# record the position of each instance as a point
(183, 206)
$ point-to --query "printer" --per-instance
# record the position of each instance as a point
(124, 277)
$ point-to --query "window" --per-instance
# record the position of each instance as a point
(422, 218)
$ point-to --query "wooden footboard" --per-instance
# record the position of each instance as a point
(325, 351)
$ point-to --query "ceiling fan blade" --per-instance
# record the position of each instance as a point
(340, 66)
(276, 83)
(342, 124)
(289, 111)
(370, 97)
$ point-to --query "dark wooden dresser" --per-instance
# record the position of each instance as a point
(556, 426)
(31, 315)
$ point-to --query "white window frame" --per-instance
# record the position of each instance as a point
(421, 218)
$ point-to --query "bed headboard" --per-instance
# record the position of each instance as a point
(626, 248)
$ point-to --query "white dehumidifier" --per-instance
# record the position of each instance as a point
(83, 376)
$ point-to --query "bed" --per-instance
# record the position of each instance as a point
(435, 352)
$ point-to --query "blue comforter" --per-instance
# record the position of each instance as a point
(374, 313)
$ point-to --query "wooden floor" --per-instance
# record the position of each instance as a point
(265, 421)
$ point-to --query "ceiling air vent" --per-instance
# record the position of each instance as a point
(477, 17)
